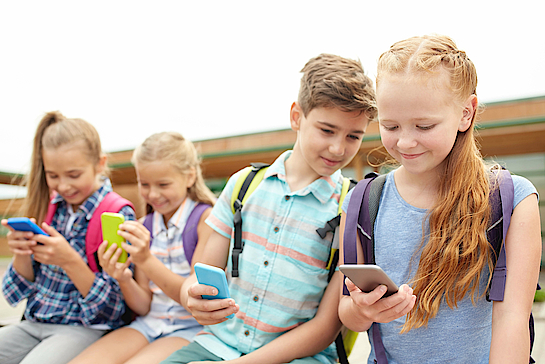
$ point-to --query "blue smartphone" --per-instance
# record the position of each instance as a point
(25, 224)
(215, 277)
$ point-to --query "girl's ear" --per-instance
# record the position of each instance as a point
(468, 114)
(191, 177)
(296, 114)
(101, 165)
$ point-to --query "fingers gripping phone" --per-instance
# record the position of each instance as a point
(368, 277)
(25, 224)
(215, 277)
(110, 225)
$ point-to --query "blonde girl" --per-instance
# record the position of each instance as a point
(171, 183)
(430, 230)
(68, 305)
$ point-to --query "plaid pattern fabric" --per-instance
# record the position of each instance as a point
(283, 272)
(52, 297)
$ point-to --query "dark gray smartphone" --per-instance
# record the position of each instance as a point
(368, 277)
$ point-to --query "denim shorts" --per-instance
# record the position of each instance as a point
(186, 333)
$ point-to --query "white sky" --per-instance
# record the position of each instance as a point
(215, 68)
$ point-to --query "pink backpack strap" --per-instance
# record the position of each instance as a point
(112, 202)
(51, 209)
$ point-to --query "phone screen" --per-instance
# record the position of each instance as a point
(110, 225)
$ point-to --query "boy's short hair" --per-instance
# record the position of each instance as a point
(333, 81)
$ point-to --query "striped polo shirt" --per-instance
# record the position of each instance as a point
(166, 315)
(282, 269)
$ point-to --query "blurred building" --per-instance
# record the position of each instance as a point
(510, 132)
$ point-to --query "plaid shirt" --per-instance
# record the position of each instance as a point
(52, 297)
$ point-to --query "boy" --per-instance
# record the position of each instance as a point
(283, 304)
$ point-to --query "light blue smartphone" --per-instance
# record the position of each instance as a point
(215, 277)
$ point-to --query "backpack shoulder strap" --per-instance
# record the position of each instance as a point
(502, 196)
(51, 209)
(344, 343)
(112, 202)
(246, 183)
(148, 224)
(333, 226)
(190, 235)
(360, 218)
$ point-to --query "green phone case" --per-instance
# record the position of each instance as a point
(110, 225)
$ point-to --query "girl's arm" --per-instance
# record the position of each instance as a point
(510, 337)
(18, 282)
(169, 282)
(20, 243)
(359, 310)
(23, 265)
(100, 300)
(57, 251)
(135, 291)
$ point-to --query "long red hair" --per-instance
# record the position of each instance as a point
(456, 251)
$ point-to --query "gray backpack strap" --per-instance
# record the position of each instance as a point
(374, 200)
(504, 206)
(362, 211)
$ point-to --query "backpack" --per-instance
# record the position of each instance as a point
(189, 234)
(246, 183)
(360, 219)
(111, 202)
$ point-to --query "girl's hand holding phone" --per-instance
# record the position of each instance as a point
(53, 249)
(373, 308)
(19, 242)
(108, 259)
(139, 238)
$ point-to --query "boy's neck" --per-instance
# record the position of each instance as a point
(298, 173)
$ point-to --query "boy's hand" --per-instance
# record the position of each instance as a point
(209, 312)
(54, 249)
(139, 238)
(372, 307)
(20, 242)
(107, 258)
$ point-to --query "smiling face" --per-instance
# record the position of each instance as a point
(163, 187)
(419, 120)
(327, 138)
(69, 172)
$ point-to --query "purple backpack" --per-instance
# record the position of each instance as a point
(189, 235)
(362, 212)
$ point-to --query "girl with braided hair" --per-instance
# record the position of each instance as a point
(438, 201)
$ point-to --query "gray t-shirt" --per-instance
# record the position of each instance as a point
(459, 335)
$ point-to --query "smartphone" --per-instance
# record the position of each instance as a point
(110, 225)
(25, 224)
(215, 277)
(368, 277)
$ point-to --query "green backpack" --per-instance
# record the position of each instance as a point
(247, 182)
